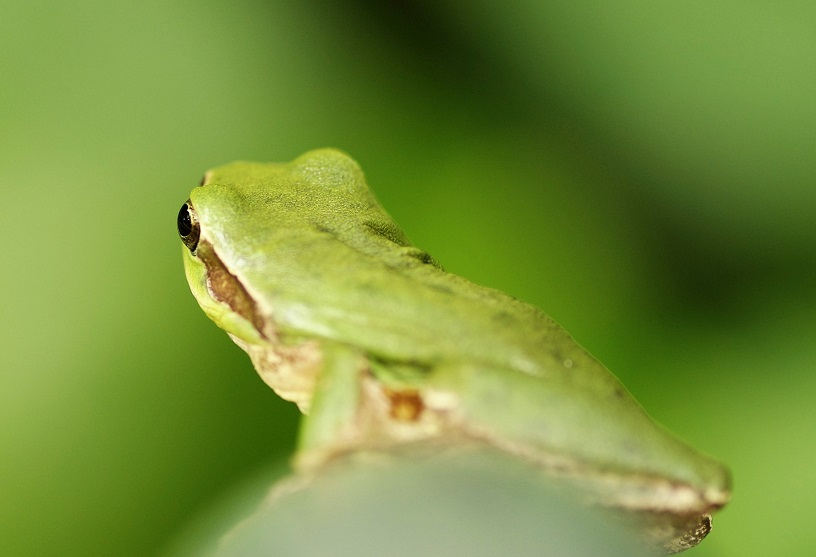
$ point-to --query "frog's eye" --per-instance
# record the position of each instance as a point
(188, 227)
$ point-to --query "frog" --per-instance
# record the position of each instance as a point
(383, 350)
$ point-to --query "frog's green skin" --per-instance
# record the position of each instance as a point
(303, 268)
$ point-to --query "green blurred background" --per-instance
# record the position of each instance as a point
(644, 172)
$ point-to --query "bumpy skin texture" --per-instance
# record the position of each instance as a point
(341, 314)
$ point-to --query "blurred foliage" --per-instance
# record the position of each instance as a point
(642, 171)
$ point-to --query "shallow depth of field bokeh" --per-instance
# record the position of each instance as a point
(644, 172)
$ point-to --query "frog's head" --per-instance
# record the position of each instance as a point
(247, 222)
(243, 206)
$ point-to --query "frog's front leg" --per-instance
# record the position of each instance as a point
(331, 423)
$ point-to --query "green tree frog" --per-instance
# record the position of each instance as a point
(381, 349)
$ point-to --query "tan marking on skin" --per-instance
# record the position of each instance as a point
(388, 416)
(406, 406)
(226, 288)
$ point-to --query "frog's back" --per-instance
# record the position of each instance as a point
(397, 304)
(327, 260)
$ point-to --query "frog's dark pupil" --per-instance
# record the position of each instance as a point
(185, 225)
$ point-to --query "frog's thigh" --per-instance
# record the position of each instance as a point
(502, 407)
(469, 391)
